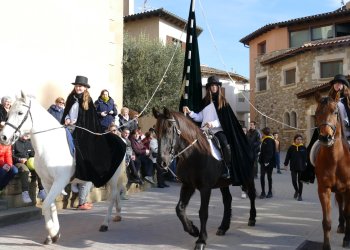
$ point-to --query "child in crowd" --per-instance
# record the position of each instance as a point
(297, 158)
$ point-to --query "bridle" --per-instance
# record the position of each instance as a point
(327, 138)
(18, 128)
(176, 134)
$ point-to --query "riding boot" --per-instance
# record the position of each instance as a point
(227, 162)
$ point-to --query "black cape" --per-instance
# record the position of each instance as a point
(97, 157)
(242, 157)
(241, 153)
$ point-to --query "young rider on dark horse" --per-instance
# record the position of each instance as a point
(340, 85)
(218, 116)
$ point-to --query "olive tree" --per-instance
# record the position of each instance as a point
(144, 64)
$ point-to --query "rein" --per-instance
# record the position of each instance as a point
(17, 129)
(177, 131)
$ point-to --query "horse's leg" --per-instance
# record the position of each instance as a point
(186, 193)
(324, 195)
(340, 201)
(252, 195)
(226, 220)
(113, 195)
(346, 200)
(49, 210)
(203, 216)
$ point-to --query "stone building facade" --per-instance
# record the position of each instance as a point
(289, 62)
(281, 103)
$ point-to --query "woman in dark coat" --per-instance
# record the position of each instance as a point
(297, 158)
(106, 110)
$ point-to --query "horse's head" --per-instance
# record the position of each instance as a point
(168, 135)
(17, 122)
(326, 117)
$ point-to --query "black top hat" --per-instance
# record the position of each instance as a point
(340, 78)
(81, 80)
(213, 80)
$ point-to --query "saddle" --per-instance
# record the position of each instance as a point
(315, 149)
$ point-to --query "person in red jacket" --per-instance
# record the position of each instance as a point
(7, 169)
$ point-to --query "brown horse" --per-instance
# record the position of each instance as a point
(197, 169)
(332, 167)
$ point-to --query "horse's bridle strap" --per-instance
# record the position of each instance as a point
(17, 129)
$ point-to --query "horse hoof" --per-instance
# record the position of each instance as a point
(340, 230)
(251, 223)
(103, 228)
(194, 232)
(199, 246)
(117, 218)
(346, 244)
(56, 237)
(220, 232)
(48, 240)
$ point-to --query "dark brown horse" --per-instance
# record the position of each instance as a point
(332, 167)
(196, 169)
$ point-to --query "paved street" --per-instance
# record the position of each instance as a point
(149, 222)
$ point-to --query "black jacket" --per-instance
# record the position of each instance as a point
(254, 141)
(3, 114)
(97, 156)
(296, 157)
(22, 149)
(267, 152)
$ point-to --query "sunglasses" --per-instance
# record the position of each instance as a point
(61, 103)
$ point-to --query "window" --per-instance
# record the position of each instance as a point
(330, 69)
(262, 83)
(262, 48)
(286, 120)
(298, 38)
(289, 76)
(293, 119)
(321, 33)
(342, 29)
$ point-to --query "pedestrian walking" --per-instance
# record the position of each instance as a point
(297, 158)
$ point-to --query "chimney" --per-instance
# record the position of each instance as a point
(128, 7)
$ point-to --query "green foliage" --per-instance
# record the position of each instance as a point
(144, 64)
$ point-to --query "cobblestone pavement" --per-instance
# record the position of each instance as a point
(149, 222)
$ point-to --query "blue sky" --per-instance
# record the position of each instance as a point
(231, 20)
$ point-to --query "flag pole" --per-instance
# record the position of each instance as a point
(191, 73)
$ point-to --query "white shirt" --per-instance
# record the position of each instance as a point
(208, 115)
(73, 112)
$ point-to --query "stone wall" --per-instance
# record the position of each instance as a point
(279, 98)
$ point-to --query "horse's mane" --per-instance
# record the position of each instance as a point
(190, 132)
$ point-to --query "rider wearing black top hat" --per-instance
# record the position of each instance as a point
(217, 115)
(339, 86)
(97, 156)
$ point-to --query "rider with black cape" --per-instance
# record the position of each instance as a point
(219, 117)
(339, 85)
(97, 156)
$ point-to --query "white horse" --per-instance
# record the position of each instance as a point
(53, 160)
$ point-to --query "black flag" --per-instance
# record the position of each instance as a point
(191, 77)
